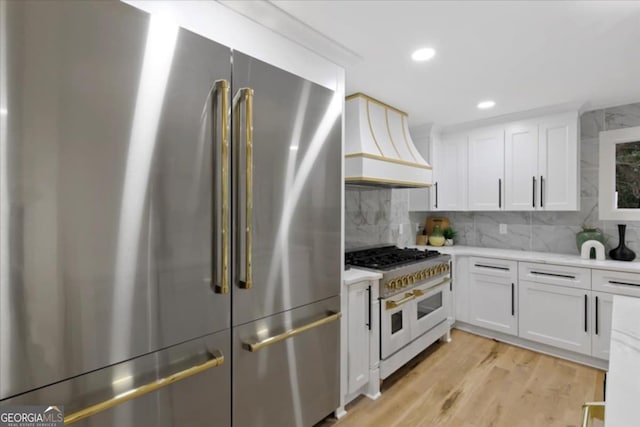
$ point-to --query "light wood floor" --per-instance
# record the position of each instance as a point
(475, 381)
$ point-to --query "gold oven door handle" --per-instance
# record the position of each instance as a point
(253, 347)
(222, 87)
(217, 360)
(246, 95)
(390, 305)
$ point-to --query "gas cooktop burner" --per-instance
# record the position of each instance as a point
(387, 257)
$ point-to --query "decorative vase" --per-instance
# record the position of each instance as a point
(589, 233)
(436, 238)
(622, 252)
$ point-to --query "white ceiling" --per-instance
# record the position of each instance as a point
(523, 55)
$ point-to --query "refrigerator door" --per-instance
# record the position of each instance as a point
(201, 399)
(107, 145)
(293, 381)
(288, 254)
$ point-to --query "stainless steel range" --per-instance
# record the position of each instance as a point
(413, 300)
(402, 269)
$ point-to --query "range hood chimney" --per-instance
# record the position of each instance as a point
(378, 148)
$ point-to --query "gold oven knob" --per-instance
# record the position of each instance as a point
(405, 280)
(391, 284)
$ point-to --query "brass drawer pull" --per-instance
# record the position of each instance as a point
(218, 359)
(253, 347)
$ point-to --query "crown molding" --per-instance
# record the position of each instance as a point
(269, 15)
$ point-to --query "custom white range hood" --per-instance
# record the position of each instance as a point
(378, 148)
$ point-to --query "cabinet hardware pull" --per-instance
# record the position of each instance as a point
(533, 199)
(614, 282)
(390, 305)
(586, 307)
(495, 267)
(541, 191)
(541, 273)
(450, 276)
(217, 360)
(369, 307)
(513, 300)
(331, 316)
(246, 94)
(597, 303)
(500, 193)
(222, 87)
(436, 185)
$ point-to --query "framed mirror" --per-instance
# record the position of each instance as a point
(619, 183)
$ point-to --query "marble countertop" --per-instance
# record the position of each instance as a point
(541, 257)
(623, 377)
(354, 275)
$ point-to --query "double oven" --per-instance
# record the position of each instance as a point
(407, 316)
(414, 299)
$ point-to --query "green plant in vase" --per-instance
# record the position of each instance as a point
(449, 234)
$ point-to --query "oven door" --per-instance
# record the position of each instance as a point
(395, 323)
(429, 307)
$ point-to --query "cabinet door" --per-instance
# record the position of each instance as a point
(494, 295)
(358, 331)
(521, 166)
(555, 315)
(486, 170)
(450, 168)
(460, 285)
(493, 303)
(601, 337)
(558, 163)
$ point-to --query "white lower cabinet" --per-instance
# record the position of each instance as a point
(555, 315)
(601, 336)
(358, 332)
(493, 292)
(565, 307)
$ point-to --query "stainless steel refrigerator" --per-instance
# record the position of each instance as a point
(169, 225)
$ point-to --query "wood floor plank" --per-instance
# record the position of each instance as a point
(478, 382)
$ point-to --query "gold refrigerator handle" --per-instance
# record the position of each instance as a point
(253, 347)
(222, 86)
(218, 359)
(246, 95)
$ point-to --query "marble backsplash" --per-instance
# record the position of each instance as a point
(382, 215)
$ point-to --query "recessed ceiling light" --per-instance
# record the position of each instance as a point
(486, 104)
(423, 54)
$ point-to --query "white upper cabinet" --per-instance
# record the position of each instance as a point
(558, 162)
(518, 166)
(521, 166)
(486, 170)
(449, 191)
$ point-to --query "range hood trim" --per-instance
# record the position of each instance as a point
(373, 156)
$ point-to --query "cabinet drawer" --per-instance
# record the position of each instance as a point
(616, 282)
(493, 267)
(561, 275)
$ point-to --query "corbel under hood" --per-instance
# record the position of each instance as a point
(378, 148)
